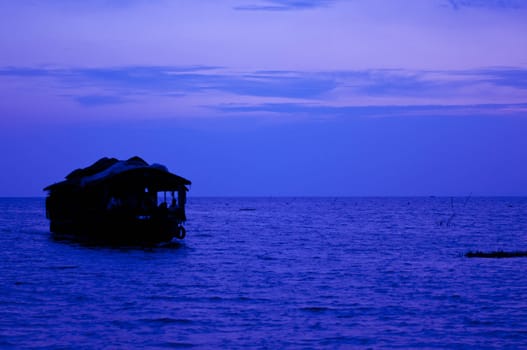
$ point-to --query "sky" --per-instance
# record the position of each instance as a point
(269, 98)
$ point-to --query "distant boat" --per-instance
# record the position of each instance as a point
(119, 200)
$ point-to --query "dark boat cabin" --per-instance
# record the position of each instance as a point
(119, 200)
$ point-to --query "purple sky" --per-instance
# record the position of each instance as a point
(250, 97)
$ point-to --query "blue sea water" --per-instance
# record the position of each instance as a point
(275, 273)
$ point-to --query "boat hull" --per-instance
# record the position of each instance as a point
(121, 228)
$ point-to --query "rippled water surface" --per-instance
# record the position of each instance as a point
(275, 273)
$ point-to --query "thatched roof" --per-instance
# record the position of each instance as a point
(122, 172)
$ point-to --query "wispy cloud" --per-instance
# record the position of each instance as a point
(291, 5)
(99, 100)
(511, 77)
(170, 80)
(288, 84)
(299, 109)
(284, 5)
(364, 92)
(91, 5)
(504, 4)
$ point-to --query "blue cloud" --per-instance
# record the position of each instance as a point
(390, 82)
(301, 86)
(511, 77)
(419, 83)
(27, 72)
(504, 4)
(99, 100)
(168, 81)
(91, 5)
(152, 79)
(285, 5)
(364, 111)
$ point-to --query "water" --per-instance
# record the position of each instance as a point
(275, 273)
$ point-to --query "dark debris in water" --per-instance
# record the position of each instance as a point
(62, 267)
(496, 254)
(167, 320)
(177, 345)
(315, 309)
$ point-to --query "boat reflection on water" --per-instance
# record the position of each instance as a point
(119, 201)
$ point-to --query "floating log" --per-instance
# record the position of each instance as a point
(499, 254)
